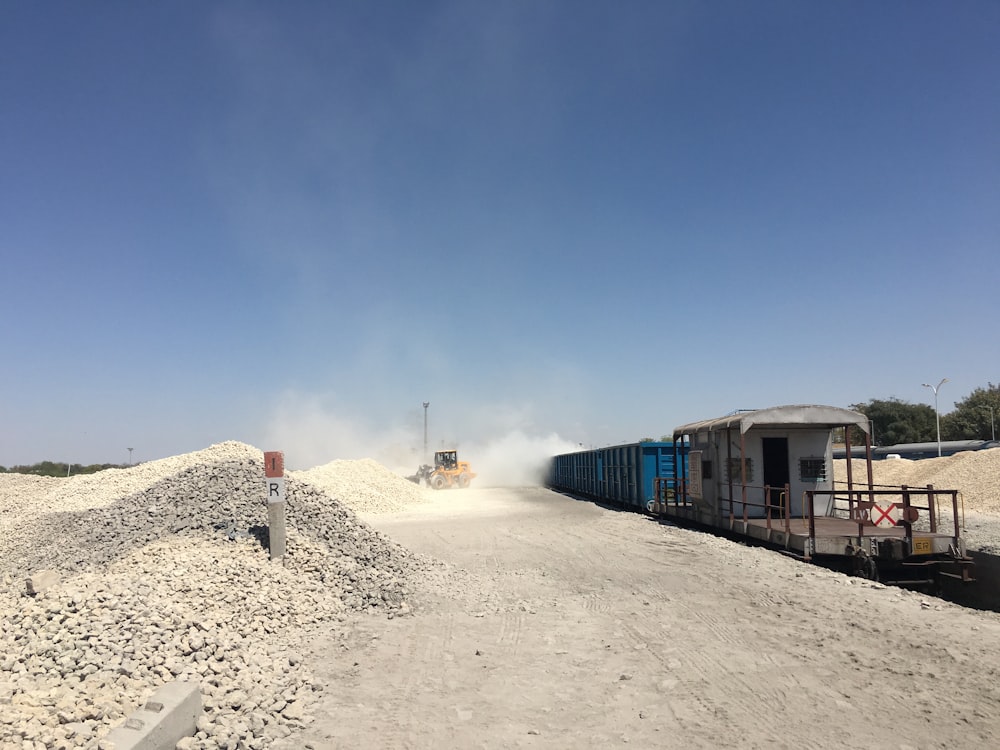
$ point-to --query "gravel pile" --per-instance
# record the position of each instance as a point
(364, 485)
(164, 575)
(973, 473)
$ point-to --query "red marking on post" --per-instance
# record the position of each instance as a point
(274, 464)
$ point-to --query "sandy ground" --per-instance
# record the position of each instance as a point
(565, 624)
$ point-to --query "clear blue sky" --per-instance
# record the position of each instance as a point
(292, 223)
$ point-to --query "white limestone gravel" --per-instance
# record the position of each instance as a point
(364, 485)
(975, 474)
(164, 575)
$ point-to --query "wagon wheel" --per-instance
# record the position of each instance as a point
(865, 566)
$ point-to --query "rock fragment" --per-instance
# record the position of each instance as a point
(39, 581)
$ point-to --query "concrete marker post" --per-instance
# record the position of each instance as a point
(274, 484)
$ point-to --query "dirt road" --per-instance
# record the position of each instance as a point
(565, 624)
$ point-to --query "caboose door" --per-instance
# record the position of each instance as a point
(776, 473)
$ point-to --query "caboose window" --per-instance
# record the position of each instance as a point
(733, 469)
(812, 469)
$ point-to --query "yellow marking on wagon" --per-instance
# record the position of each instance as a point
(921, 545)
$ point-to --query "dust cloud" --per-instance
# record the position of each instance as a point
(311, 433)
(311, 436)
(515, 459)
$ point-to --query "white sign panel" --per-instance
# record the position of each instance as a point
(275, 489)
(694, 487)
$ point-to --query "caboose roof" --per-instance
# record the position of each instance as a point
(796, 416)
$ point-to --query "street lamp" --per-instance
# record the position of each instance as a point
(426, 404)
(937, 414)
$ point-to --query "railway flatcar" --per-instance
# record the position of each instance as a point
(766, 476)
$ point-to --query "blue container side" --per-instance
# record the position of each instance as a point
(623, 474)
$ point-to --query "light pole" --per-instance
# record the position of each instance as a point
(937, 414)
(426, 404)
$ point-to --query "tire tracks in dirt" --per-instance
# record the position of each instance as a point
(575, 626)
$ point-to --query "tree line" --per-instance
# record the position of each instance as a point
(894, 421)
(58, 469)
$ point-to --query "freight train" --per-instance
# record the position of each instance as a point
(766, 476)
(917, 451)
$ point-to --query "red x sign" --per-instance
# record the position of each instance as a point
(881, 516)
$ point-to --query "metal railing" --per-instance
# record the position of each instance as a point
(782, 509)
(866, 506)
(869, 507)
(674, 492)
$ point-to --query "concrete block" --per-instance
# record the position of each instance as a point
(168, 716)
(40, 580)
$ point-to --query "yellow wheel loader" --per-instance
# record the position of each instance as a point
(448, 471)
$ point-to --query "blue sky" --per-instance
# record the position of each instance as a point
(575, 222)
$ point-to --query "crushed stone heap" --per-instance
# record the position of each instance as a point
(164, 575)
(973, 473)
(363, 485)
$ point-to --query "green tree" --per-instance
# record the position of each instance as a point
(895, 421)
(975, 416)
(49, 469)
(59, 469)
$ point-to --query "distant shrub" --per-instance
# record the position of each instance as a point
(57, 469)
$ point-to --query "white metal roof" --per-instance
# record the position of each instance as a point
(779, 416)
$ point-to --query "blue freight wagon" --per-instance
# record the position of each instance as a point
(621, 474)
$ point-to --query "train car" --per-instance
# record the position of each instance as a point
(624, 475)
(766, 476)
(916, 451)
